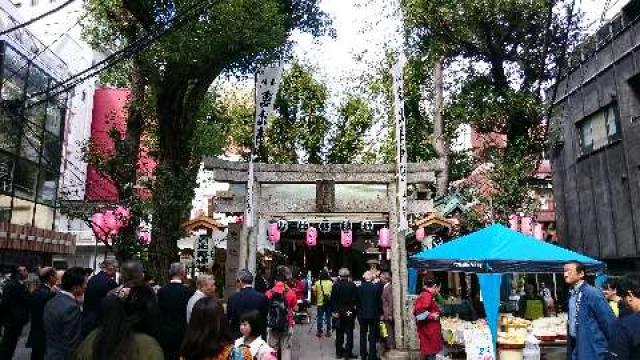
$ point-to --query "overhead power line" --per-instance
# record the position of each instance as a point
(39, 17)
(137, 46)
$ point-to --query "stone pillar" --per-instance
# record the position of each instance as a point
(253, 234)
(396, 271)
(243, 246)
(232, 260)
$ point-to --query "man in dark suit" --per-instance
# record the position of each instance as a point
(98, 287)
(344, 297)
(172, 300)
(246, 299)
(16, 311)
(45, 292)
(369, 312)
(63, 316)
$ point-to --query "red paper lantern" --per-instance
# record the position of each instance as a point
(346, 238)
(383, 238)
(312, 236)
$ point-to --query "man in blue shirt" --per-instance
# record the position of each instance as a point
(590, 317)
(625, 332)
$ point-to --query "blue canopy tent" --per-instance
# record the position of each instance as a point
(495, 250)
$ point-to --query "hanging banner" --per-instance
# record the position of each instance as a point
(267, 83)
(490, 292)
(401, 142)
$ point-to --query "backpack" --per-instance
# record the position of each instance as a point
(277, 314)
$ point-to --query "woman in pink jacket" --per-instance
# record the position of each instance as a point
(427, 313)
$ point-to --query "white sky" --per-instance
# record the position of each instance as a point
(334, 59)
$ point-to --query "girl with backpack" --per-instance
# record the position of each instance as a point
(252, 338)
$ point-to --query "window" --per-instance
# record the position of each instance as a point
(24, 178)
(31, 143)
(599, 129)
(35, 113)
(38, 83)
(55, 116)
(6, 172)
(52, 151)
(9, 130)
(47, 187)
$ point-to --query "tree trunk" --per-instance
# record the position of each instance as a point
(176, 171)
(439, 142)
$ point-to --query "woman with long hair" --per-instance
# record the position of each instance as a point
(208, 336)
(127, 330)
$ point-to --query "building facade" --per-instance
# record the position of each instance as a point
(595, 137)
(32, 133)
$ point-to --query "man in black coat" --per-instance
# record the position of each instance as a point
(45, 292)
(98, 287)
(15, 309)
(172, 301)
(244, 300)
(62, 317)
(369, 312)
(344, 298)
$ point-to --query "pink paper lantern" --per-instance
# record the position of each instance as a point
(144, 236)
(346, 238)
(383, 238)
(526, 226)
(537, 231)
(111, 222)
(312, 236)
(98, 225)
(274, 233)
(122, 215)
(420, 234)
(514, 222)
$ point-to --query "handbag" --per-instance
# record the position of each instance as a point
(384, 332)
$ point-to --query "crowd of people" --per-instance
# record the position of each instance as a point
(78, 316)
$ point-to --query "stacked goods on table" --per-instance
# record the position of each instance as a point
(550, 328)
(454, 329)
(547, 329)
(512, 338)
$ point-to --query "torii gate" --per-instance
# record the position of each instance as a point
(325, 206)
(395, 205)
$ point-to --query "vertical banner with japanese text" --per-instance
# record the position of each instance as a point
(401, 142)
(267, 83)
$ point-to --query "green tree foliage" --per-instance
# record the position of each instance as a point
(416, 76)
(354, 120)
(522, 44)
(175, 73)
(299, 128)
